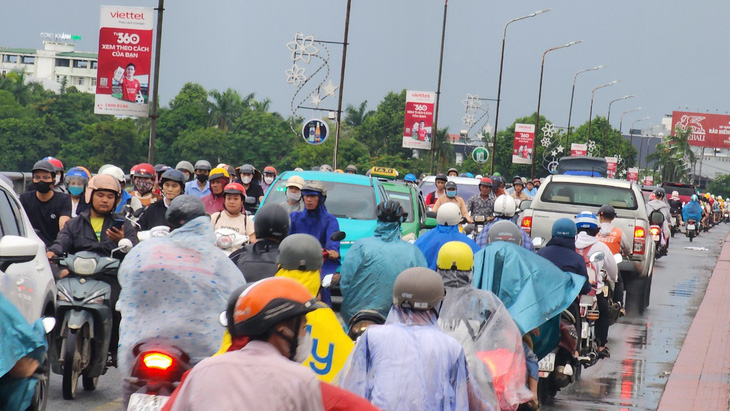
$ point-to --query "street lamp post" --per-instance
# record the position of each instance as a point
(632, 136)
(621, 123)
(608, 118)
(572, 95)
(539, 98)
(499, 86)
(434, 129)
(590, 114)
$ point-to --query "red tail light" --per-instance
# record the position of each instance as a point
(157, 361)
(654, 230)
(527, 224)
(639, 240)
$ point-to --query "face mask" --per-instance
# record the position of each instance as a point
(76, 190)
(246, 180)
(143, 187)
(304, 348)
(202, 177)
(58, 179)
(43, 187)
(293, 197)
(268, 180)
(451, 194)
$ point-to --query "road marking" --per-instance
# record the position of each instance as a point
(112, 405)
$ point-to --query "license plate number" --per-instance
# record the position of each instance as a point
(655, 237)
(690, 226)
(547, 363)
(145, 402)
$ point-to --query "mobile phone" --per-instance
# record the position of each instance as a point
(118, 223)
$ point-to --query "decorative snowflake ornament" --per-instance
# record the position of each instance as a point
(302, 48)
(471, 102)
(548, 130)
(546, 141)
(468, 120)
(295, 75)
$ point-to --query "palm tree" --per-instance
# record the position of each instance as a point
(225, 108)
(356, 116)
(16, 83)
(260, 106)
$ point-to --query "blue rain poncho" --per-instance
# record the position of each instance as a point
(430, 243)
(533, 289)
(492, 341)
(371, 267)
(408, 364)
(18, 339)
(174, 288)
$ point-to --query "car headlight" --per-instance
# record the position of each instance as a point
(84, 266)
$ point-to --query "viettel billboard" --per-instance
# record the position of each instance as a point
(708, 130)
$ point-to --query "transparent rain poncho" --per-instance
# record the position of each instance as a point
(174, 288)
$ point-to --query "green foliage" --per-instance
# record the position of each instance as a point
(25, 141)
(720, 186)
(108, 142)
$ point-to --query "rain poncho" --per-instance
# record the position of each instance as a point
(533, 289)
(17, 340)
(692, 210)
(408, 364)
(430, 243)
(371, 267)
(491, 340)
(174, 288)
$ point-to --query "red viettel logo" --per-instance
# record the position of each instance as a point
(127, 15)
(425, 95)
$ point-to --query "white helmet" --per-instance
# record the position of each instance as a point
(448, 214)
(113, 171)
(504, 206)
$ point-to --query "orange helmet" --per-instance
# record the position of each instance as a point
(234, 188)
(266, 303)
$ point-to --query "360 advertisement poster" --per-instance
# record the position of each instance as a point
(524, 142)
(417, 130)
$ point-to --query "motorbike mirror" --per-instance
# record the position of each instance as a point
(250, 200)
(618, 258)
(538, 241)
(222, 319)
(125, 245)
(338, 236)
(327, 281)
(138, 213)
(597, 256)
(48, 324)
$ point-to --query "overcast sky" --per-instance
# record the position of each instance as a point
(670, 54)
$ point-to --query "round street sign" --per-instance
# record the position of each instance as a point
(480, 155)
(315, 131)
(553, 167)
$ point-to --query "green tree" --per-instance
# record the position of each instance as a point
(355, 116)
(187, 111)
(10, 108)
(208, 143)
(673, 158)
(25, 141)
(382, 131)
(226, 108)
(110, 142)
(720, 186)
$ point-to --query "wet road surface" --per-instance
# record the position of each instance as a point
(645, 347)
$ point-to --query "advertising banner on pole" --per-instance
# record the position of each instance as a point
(633, 175)
(524, 142)
(417, 130)
(708, 130)
(125, 57)
(611, 166)
(578, 149)
(648, 181)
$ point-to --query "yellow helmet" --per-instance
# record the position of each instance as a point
(219, 172)
(455, 255)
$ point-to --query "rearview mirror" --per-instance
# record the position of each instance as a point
(250, 200)
(338, 236)
(327, 281)
(222, 319)
(538, 241)
(618, 258)
(525, 204)
(15, 249)
(429, 222)
(430, 214)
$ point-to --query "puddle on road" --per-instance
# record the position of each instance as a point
(685, 288)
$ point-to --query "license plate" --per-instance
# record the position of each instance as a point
(690, 226)
(145, 402)
(655, 237)
(547, 363)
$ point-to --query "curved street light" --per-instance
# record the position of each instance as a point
(572, 95)
(632, 134)
(608, 118)
(499, 86)
(621, 123)
(590, 115)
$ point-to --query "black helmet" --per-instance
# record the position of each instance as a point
(203, 165)
(498, 181)
(391, 211)
(300, 252)
(182, 209)
(504, 230)
(607, 211)
(272, 221)
(659, 193)
(44, 165)
(450, 185)
(442, 177)
(363, 316)
(246, 169)
(173, 175)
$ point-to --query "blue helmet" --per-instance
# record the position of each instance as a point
(694, 197)
(587, 220)
(411, 178)
(470, 175)
(77, 172)
(564, 227)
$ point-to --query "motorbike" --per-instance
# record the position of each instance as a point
(655, 229)
(157, 371)
(84, 313)
(692, 230)
(560, 367)
(588, 304)
(674, 228)
(475, 228)
(229, 240)
(154, 232)
(726, 216)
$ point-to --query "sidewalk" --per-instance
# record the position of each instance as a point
(700, 379)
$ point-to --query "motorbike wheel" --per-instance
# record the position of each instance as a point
(40, 396)
(636, 296)
(89, 382)
(690, 238)
(543, 391)
(71, 365)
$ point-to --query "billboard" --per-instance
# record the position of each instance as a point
(611, 166)
(648, 181)
(125, 56)
(633, 175)
(524, 142)
(708, 130)
(418, 126)
(578, 149)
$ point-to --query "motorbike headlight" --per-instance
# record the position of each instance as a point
(84, 266)
(96, 298)
(62, 296)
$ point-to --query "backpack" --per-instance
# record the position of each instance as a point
(656, 217)
(257, 261)
(591, 268)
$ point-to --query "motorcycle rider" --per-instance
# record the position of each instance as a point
(232, 216)
(366, 277)
(451, 197)
(199, 187)
(351, 169)
(498, 185)
(452, 172)
(692, 210)
(269, 177)
(440, 182)
(217, 180)
(616, 241)
(187, 169)
(128, 204)
(497, 333)
(173, 185)
(587, 243)
(448, 218)
(560, 250)
(675, 208)
(76, 180)
(518, 193)
(658, 204)
(504, 210)
(409, 363)
(174, 287)
(48, 211)
(249, 178)
(483, 203)
(294, 194)
(258, 260)
(144, 178)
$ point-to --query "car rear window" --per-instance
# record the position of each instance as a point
(682, 190)
(405, 200)
(465, 191)
(589, 195)
(343, 200)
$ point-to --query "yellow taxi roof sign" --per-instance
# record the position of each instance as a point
(383, 172)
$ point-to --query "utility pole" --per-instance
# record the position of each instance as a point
(342, 83)
(434, 129)
(155, 83)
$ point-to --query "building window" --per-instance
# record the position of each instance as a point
(93, 82)
(80, 81)
(10, 58)
(27, 59)
(63, 63)
(81, 64)
(94, 64)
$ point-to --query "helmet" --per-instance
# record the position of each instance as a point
(246, 169)
(707, 196)
(350, 168)
(563, 227)
(102, 182)
(272, 221)
(262, 305)
(44, 165)
(234, 188)
(145, 170)
(182, 209)
(517, 180)
(57, 164)
(391, 211)
(485, 181)
(77, 172)
(185, 166)
(159, 168)
(470, 175)
(498, 180)
(463, 175)
(295, 181)
(442, 177)
(450, 185)
(418, 288)
(325, 167)
(411, 178)
(218, 172)
(369, 316)
(269, 170)
(694, 197)
(172, 174)
(587, 220)
(504, 206)
(449, 214)
(115, 172)
(607, 211)
(504, 231)
(455, 255)
(452, 169)
(300, 252)
(202, 165)
(314, 187)
(659, 193)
